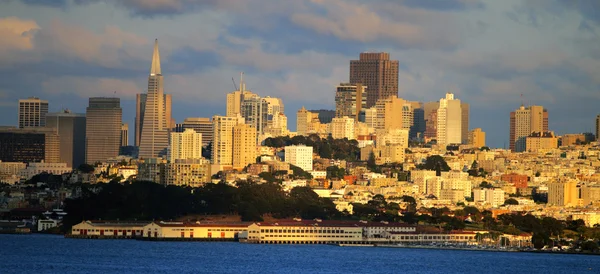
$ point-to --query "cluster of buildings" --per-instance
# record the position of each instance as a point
(367, 109)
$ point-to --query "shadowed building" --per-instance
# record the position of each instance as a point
(71, 129)
(29, 145)
(103, 129)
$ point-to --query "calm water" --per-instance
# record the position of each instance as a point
(55, 254)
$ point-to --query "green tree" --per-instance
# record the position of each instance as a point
(435, 162)
(511, 201)
(85, 168)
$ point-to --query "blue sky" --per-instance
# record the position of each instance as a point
(486, 52)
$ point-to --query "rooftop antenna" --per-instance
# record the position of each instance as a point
(522, 103)
(242, 86)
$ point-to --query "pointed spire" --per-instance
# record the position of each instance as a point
(155, 68)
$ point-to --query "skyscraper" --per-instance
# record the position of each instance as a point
(378, 73)
(598, 127)
(201, 125)
(32, 112)
(222, 150)
(124, 134)
(476, 138)
(236, 98)
(449, 121)
(71, 129)
(523, 122)
(255, 112)
(139, 115)
(155, 124)
(350, 100)
(389, 113)
(244, 146)
(185, 145)
(464, 107)
(103, 129)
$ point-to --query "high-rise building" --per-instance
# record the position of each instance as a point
(235, 99)
(275, 105)
(417, 128)
(324, 115)
(32, 112)
(222, 150)
(449, 121)
(124, 134)
(563, 193)
(255, 112)
(200, 125)
(523, 122)
(464, 107)
(389, 113)
(598, 127)
(185, 145)
(476, 138)
(244, 146)
(308, 122)
(102, 129)
(408, 115)
(71, 131)
(29, 145)
(277, 125)
(371, 117)
(342, 128)
(154, 118)
(300, 156)
(350, 100)
(378, 73)
(430, 115)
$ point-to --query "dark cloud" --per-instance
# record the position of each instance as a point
(444, 5)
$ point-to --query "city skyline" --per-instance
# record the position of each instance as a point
(549, 69)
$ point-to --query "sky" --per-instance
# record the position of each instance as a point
(491, 54)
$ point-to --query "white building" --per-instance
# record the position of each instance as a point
(300, 156)
(185, 145)
(50, 168)
(342, 128)
(490, 196)
(449, 121)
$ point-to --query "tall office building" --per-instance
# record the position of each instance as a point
(389, 113)
(222, 150)
(235, 99)
(155, 121)
(185, 145)
(201, 125)
(274, 105)
(523, 122)
(464, 107)
(32, 112)
(102, 129)
(71, 129)
(350, 100)
(449, 121)
(430, 115)
(598, 127)
(378, 73)
(244, 146)
(308, 122)
(139, 115)
(417, 129)
(124, 134)
(29, 145)
(255, 112)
